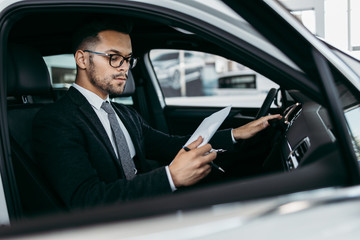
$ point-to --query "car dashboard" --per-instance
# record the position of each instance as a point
(305, 128)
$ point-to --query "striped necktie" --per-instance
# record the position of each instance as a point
(125, 159)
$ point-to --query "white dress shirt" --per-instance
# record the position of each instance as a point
(96, 102)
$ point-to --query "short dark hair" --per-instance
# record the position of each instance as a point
(88, 33)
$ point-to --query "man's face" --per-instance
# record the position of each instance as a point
(105, 78)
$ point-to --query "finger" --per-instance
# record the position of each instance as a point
(203, 171)
(202, 174)
(206, 170)
(269, 117)
(195, 143)
(206, 158)
(278, 116)
(204, 149)
(259, 124)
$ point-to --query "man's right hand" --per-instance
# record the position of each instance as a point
(189, 167)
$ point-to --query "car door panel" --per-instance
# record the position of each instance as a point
(185, 120)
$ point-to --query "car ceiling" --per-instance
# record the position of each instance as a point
(51, 33)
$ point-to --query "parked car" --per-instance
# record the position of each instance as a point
(170, 65)
(299, 178)
(246, 80)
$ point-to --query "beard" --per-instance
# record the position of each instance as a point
(107, 84)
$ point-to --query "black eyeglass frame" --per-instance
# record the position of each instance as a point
(127, 59)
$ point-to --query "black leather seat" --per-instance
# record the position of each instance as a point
(28, 89)
(129, 88)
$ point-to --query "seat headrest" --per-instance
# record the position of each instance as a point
(129, 88)
(28, 73)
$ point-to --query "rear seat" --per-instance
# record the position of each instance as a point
(28, 89)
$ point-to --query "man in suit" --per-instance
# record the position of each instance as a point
(75, 143)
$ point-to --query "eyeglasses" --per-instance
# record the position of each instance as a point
(116, 60)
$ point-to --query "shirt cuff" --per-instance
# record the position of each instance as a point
(232, 137)
(171, 182)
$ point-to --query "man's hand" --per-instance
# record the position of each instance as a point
(190, 167)
(249, 130)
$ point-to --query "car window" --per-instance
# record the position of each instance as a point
(62, 70)
(190, 78)
(4, 216)
(352, 116)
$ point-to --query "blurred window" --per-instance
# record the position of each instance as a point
(307, 18)
(354, 12)
(352, 116)
(190, 78)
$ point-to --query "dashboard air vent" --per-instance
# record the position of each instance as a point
(298, 153)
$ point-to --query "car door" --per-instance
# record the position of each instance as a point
(298, 68)
(322, 67)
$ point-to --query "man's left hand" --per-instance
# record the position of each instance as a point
(250, 129)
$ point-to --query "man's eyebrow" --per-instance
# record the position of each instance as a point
(118, 52)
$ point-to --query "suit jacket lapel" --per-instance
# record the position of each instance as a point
(85, 107)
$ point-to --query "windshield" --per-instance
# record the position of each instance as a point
(352, 116)
(350, 61)
(227, 19)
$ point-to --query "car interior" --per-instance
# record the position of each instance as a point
(297, 153)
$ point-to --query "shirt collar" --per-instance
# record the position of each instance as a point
(92, 98)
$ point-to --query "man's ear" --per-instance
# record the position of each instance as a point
(80, 59)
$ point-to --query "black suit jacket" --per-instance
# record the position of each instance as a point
(77, 157)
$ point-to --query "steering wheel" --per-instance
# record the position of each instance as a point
(249, 148)
(267, 103)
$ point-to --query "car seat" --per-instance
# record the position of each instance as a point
(28, 89)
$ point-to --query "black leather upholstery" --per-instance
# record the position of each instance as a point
(129, 89)
(28, 78)
(29, 74)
